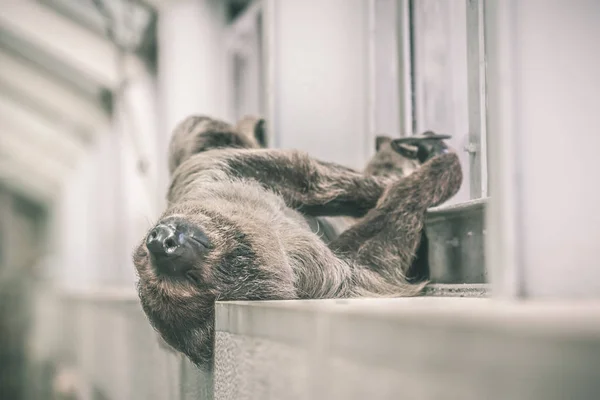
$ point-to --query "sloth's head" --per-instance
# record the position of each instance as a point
(174, 285)
(193, 257)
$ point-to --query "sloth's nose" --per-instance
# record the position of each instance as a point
(163, 241)
(176, 246)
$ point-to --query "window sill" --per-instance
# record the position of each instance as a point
(456, 242)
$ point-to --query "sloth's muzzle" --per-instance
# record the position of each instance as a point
(175, 247)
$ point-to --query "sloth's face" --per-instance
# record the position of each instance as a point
(174, 286)
(190, 259)
(192, 251)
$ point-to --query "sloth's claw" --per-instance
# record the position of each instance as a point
(421, 147)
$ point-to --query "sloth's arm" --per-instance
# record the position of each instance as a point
(313, 187)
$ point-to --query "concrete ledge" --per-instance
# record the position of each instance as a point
(417, 348)
(414, 348)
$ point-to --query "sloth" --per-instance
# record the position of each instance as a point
(393, 158)
(235, 227)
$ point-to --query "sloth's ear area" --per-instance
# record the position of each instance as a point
(380, 140)
(260, 132)
(255, 127)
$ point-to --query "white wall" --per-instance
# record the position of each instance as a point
(76, 226)
(107, 204)
(543, 101)
(318, 68)
(191, 68)
(191, 60)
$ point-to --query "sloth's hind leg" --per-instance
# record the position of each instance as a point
(386, 239)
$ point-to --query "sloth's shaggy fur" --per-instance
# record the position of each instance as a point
(251, 204)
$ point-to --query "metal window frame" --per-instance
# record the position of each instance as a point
(405, 67)
(455, 222)
(456, 229)
(476, 64)
(476, 140)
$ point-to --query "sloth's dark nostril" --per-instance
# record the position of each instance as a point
(170, 244)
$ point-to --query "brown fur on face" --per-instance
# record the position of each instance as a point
(251, 205)
(181, 308)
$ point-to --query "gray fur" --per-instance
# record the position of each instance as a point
(385, 163)
(197, 134)
(251, 203)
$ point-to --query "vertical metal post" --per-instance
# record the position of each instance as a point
(477, 146)
(405, 72)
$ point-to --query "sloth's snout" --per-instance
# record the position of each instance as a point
(163, 240)
(175, 247)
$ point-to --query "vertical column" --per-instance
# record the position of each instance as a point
(317, 73)
(76, 223)
(191, 60)
(477, 146)
(109, 208)
(543, 82)
(136, 132)
(191, 67)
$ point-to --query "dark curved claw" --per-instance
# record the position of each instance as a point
(422, 146)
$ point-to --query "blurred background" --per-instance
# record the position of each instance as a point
(90, 91)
